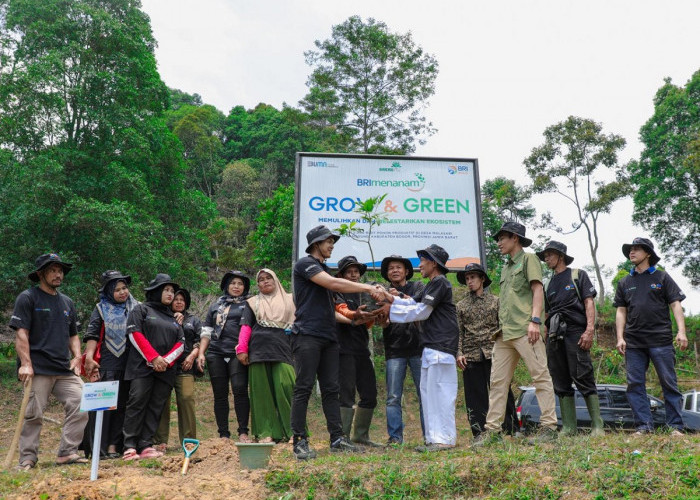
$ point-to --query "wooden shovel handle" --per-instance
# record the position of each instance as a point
(20, 421)
(185, 465)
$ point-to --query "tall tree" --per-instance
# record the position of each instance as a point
(667, 176)
(373, 85)
(576, 161)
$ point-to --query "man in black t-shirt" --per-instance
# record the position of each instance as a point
(48, 352)
(315, 342)
(570, 322)
(644, 333)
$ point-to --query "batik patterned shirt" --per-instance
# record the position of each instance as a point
(477, 317)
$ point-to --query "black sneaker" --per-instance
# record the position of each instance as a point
(343, 445)
(302, 450)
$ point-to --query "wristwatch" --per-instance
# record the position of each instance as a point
(536, 320)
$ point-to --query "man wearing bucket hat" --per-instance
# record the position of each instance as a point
(48, 353)
(520, 307)
(644, 333)
(439, 339)
(401, 348)
(315, 342)
(570, 322)
(477, 317)
(356, 367)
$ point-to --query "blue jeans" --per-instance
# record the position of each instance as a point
(395, 375)
(664, 359)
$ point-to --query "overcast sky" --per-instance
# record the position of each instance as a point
(508, 70)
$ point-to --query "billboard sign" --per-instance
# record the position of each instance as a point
(428, 200)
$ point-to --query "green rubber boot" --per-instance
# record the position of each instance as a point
(346, 417)
(593, 405)
(567, 405)
(360, 434)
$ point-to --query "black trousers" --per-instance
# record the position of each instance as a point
(357, 374)
(316, 356)
(222, 374)
(568, 364)
(477, 378)
(112, 420)
(147, 398)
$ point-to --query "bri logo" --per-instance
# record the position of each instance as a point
(414, 185)
(656, 286)
(395, 167)
(569, 287)
(458, 169)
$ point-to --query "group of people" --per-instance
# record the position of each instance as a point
(273, 346)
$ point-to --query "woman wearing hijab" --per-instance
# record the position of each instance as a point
(184, 383)
(107, 327)
(157, 341)
(218, 346)
(264, 344)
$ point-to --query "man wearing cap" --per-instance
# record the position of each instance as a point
(356, 366)
(570, 322)
(477, 317)
(315, 342)
(644, 333)
(401, 348)
(520, 307)
(48, 353)
(439, 340)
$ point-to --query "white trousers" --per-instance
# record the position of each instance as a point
(438, 392)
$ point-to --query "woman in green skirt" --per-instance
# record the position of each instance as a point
(264, 344)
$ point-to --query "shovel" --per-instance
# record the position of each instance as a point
(190, 446)
(20, 421)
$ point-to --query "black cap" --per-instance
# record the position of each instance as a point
(348, 261)
(113, 275)
(437, 254)
(318, 234)
(473, 268)
(515, 228)
(396, 258)
(161, 279)
(557, 247)
(45, 260)
(646, 244)
(229, 275)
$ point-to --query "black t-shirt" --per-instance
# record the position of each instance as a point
(562, 298)
(51, 321)
(192, 326)
(315, 312)
(402, 340)
(440, 330)
(225, 344)
(267, 344)
(157, 323)
(353, 339)
(647, 297)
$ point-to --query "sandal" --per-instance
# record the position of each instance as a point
(130, 454)
(25, 465)
(267, 439)
(71, 459)
(244, 438)
(151, 452)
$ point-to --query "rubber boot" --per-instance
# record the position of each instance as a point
(360, 434)
(567, 405)
(346, 416)
(593, 405)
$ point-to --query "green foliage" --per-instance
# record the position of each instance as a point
(273, 236)
(369, 213)
(667, 175)
(574, 162)
(372, 86)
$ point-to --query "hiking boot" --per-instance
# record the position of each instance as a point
(487, 438)
(343, 445)
(544, 435)
(302, 450)
(394, 442)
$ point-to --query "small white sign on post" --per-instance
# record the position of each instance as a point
(98, 397)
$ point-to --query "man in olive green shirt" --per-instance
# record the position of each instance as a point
(519, 313)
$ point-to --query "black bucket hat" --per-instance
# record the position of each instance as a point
(515, 228)
(318, 234)
(46, 260)
(229, 275)
(113, 275)
(473, 268)
(557, 247)
(161, 279)
(646, 244)
(437, 254)
(185, 295)
(396, 258)
(349, 261)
